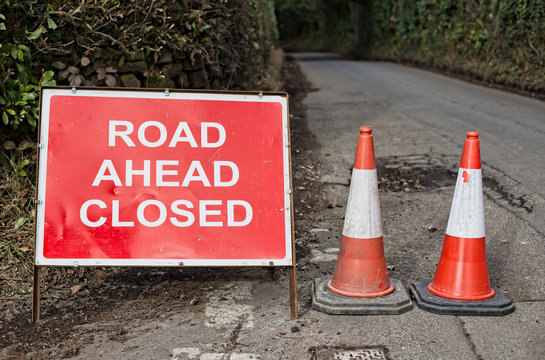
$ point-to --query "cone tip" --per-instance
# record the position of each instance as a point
(471, 156)
(365, 154)
(366, 129)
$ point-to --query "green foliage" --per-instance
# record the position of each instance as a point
(19, 83)
(88, 42)
(296, 18)
(315, 24)
(96, 37)
(496, 40)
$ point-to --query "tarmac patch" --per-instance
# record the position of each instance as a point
(192, 353)
(412, 173)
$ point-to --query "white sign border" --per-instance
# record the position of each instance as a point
(45, 102)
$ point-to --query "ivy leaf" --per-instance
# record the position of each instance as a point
(5, 118)
(36, 33)
(25, 144)
(76, 80)
(110, 80)
(23, 164)
(59, 65)
(49, 83)
(8, 145)
(51, 24)
(85, 61)
(22, 74)
(121, 62)
(20, 222)
(47, 79)
(2, 26)
(73, 70)
(32, 121)
(27, 96)
(63, 75)
(101, 73)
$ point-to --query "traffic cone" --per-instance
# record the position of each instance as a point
(461, 285)
(360, 283)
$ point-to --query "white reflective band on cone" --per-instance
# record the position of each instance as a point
(466, 218)
(363, 220)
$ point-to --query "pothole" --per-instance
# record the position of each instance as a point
(348, 353)
(421, 172)
(412, 173)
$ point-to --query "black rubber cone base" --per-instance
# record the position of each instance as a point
(397, 302)
(497, 305)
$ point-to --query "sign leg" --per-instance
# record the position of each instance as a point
(294, 307)
(37, 277)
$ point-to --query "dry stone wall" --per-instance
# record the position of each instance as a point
(244, 66)
(190, 44)
(164, 70)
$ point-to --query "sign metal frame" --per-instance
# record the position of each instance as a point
(240, 96)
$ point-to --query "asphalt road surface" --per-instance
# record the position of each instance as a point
(419, 121)
(511, 127)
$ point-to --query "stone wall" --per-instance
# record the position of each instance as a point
(162, 70)
(240, 63)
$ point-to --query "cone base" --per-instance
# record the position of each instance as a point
(359, 294)
(467, 298)
(497, 305)
(328, 302)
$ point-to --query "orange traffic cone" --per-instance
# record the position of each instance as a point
(461, 285)
(360, 283)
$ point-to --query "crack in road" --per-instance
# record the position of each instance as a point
(234, 337)
(468, 338)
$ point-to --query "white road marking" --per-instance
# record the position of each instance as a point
(330, 254)
(193, 353)
(226, 306)
(212, 356)
(244, 356)
(190, 352)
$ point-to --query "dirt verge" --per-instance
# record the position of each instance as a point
(73, 299)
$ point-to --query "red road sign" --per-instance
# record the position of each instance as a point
(151, 178)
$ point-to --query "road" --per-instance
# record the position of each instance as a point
(512, 128)
(420, 117)
(419, 122)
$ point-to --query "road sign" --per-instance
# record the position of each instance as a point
(159, 178)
